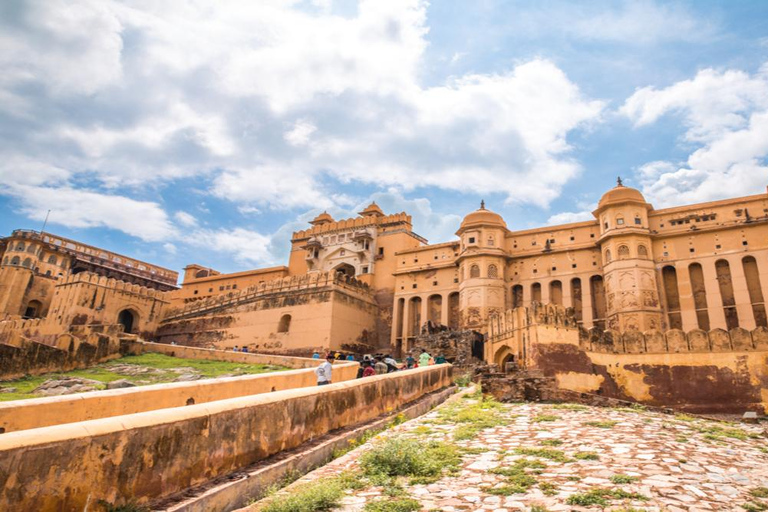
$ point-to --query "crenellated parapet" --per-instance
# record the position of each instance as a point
(296, 284)
(501, 326)
(356, 222)
(674, 341)
(90, 278)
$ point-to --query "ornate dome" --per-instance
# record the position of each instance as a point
(372, 210)
(482, 217)
(620, 194)
(321, 219)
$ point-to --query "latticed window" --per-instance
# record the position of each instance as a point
(474, 271)
(493, 272)
(642, 251)
(607, 255)
(623, 251)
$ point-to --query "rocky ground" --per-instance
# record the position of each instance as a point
(538, 457)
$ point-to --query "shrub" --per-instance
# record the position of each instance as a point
(623, 479)
(393, 505)
(401, 456)
(551, 442)
(321, 495)
(586, 456)
(601, 424)
(463, 380)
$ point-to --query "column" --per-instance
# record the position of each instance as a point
(567, 299)
(424, 313)
(586, 303)
(545, 292)
(406, 326)
(714, 299)
(444, 309)
(395, 321)
(762, 269)
(741, 294)
(685, 293)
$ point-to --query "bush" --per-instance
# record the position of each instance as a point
(395, 505)
(402, 456)
(623, 479)
(321, 495)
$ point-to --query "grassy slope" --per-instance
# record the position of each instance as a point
(104, 374)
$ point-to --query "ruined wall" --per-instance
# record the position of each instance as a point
(34, 347)
(698, 371)
(456, 346)
(42, 412)
(291, 316)
(87, 298)
(155, 454)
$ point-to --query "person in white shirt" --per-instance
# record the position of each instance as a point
(323, 371)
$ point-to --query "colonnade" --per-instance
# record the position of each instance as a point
(411, 313)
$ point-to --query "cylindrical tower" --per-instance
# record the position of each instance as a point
(481, 268)
(631, 293)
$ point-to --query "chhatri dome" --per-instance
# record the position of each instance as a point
(323, 218)
(620, 194)
(482, 217)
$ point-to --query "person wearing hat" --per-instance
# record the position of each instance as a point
(323, 371)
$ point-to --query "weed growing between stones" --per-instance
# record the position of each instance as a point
(754, 506)
(548, 488)
(570, 407)
(320, 495)
(551, 442)
(393, 505)
(401, 456)
(474, 417)
(539, 508)
(601, 424)
(717, 433)
(759, 492)
(518, 479)
(623, 479)
(541, 418)
(586, 456)
(544, 453)
(602, 497)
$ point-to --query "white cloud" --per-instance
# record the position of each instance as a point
(248, 247)
(300, 133)
(725, 114)
(86, 209)
(185, 219)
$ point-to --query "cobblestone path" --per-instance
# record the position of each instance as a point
(652, 461)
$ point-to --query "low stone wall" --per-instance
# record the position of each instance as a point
(158, 453)
(138, 347)
(56, 410)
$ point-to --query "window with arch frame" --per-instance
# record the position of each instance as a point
(20, 246)
(493, 271)
(474, 271)
(623, 251)
(15, 260)
(642, 251)
(607, 255)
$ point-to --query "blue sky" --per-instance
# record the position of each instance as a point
(207, 132)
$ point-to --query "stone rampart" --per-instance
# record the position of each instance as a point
(34, 347)
(155, 454)
(42, 412)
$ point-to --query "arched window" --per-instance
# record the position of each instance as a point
(607, 255)
(20, 247)
(493, 272)
(474, 271)
(517, 296)
(31, 249)
(48, 272)
(623, 252)
(642, 251)
(285, 323)
(15, 260)
(52, 260)
(536, 292)
(27, 263)
(724, 280)
(491, 241)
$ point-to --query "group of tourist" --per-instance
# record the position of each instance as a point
(238, 349)
(371, 365)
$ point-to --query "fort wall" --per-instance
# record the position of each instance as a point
(295, 315)
(155, 454)
(42, 412)
(697, 371)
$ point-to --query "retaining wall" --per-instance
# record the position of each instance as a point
(56, 410)
(154, 454)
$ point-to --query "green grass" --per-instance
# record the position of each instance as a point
(393, 505)
(551, 442)
(717, 432)
(754, 506)
(541, 418)
(544, 453)
(623, 479)
(759, 492)
(104, 373)
(570, 407)
(549, 489)
(473, 417)
(602, 497)
(518, 480)
(586, 456)
(421, 462)
(601, 424)
(539, 508)
(320, 495)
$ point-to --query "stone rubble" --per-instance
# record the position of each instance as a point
(674, 464)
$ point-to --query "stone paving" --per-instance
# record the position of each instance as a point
(678, 463)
